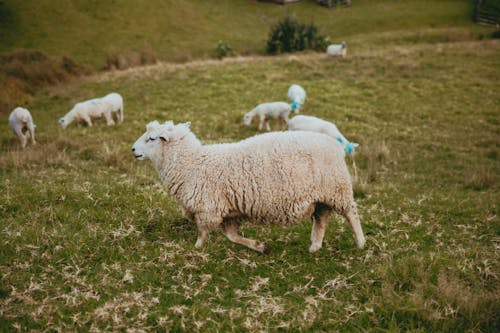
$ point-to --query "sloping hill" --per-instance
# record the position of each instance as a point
(90, 31)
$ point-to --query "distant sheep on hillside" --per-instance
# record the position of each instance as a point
(309, 123)
(267, 111)
(337, 50)
(96, 108)
(297, 96)
(22, 125)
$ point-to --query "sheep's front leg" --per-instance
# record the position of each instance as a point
(262, 119)
(230, 229)
(320, 219)
(205, 224)
(87, 120)
(109, 118)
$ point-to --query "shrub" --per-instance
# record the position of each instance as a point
(290, 35)
(223, 49)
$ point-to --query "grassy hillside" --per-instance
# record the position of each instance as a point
(90, 31)
(90, 240)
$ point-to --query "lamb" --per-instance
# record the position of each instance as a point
(273, 178)
(337, 49)
(267, 111)
(309, 123)
(296, 95)
(95, 108)
(22, 125)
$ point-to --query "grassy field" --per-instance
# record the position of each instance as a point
(92, 31)
(90, 240)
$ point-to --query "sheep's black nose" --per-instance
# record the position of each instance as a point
(133, 149)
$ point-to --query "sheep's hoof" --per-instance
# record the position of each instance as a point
(264, 248)
(314, 247)
(361, 243)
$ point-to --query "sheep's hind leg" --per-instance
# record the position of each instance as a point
(320, 219)
(352, 217)
(230, 229)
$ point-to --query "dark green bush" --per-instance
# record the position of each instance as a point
(289, 35)
(222, 50)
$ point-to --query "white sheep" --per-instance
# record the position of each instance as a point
(309, 123)
(267, 111)
(22, 125)
(95, 108)
(297, 96)
(274, 178)
(337, 49)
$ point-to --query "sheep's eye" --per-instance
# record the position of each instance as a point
(150, 139)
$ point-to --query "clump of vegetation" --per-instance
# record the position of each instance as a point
(223, 49)
(146, 56)
(289, 35)
(23, 71)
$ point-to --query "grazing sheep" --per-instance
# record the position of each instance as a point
(274, 178)
(267, 111)
(337, 49)
(22, 125)
(95, 108)
(296, 95)
(309, 123)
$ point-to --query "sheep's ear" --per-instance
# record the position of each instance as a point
(152, 126)
(187, 124)
(354, 144)
(165, 133)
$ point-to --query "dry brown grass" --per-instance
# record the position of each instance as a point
(22, 72)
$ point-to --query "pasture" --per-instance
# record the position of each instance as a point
(90, 240)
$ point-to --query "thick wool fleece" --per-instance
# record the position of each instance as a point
(275, 178)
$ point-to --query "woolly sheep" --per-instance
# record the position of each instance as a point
(309, 123)
(95, 108)
(337, 49)
(274, 178)
(267, 111)
(22, 125)
(297, 96)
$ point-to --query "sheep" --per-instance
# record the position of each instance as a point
(22, 125)
(273, 178)
(95, 108)
(266, 111)
(309, 123)
(337, 49)
(297, 96)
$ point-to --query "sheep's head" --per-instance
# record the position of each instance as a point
(156, 136)
(247, 118)
(61, 122)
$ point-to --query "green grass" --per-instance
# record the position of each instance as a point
(91, 240)
(177, 30)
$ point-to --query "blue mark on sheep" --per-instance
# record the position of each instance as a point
(349, 148)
